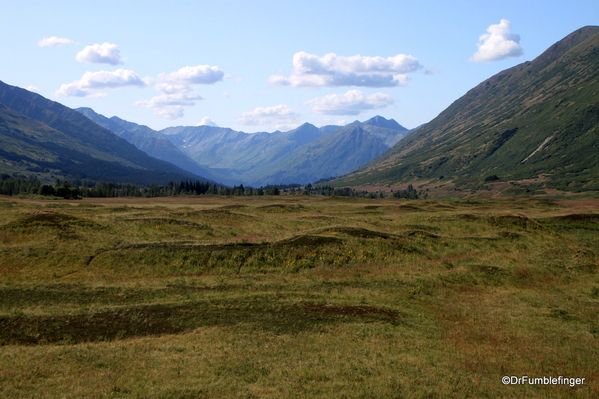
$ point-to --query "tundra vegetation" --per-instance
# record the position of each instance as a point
(297, 297)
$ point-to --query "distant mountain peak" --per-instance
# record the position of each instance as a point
(387, 123)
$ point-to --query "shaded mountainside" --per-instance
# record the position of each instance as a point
(539, 119)
(149, 141)
(45, 139)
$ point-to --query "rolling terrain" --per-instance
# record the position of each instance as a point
(297, 296)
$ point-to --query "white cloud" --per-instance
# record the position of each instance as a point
(33, 89)
(207, 122)
(278, 116)
(170, 105)
(498, 44)
(169, 112)
(182, 98)
(200, 74)
(100, 80)
(105, 53)
(54, 41)
(331, 121)
(354, 102)
(178, 91)
(432, 71)
(333, 71)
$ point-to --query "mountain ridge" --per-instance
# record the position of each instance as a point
(536, 119)
(235, 157)
(35, 131)
(148, 140)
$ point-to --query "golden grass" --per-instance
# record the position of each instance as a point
(296, 296)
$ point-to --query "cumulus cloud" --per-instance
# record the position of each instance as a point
(170, 105)
(354, 102)
(498, 44)
(278, 116)
(105, 53)
(199, 74)
(100, 80)
(178, 91)
(169, 111)
(183, 98)
(54, 41)
(207, 122)
(332, 70)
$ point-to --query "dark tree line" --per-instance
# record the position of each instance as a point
(63, 189)
(409, 193)
(18, 185)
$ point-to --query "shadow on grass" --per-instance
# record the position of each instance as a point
(264, 313)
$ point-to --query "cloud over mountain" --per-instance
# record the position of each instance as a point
(178, 91)
(100, 80)
(499, 43)
(105, 53)
(207, 122)
(333, 71)
(54, 41)
(278, 116)
(353, 102)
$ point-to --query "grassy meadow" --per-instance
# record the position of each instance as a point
(298, 297)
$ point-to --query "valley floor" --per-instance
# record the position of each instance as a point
(298, 297)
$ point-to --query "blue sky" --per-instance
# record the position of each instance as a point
(266, 65)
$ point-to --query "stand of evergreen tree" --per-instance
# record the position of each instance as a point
(63, 189)
(18, 185)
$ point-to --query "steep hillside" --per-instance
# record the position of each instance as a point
(45, 139)
(539, 119)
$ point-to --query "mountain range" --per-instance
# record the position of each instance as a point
(44, 139)
(149, 141)
(536, 122)
(302, 155)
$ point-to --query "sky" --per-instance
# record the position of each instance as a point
(266, 65)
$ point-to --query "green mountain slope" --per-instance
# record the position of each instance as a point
(332, 154)
(47, 140)
(237, 152)
(539, 119)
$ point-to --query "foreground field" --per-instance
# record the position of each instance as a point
(297, 297)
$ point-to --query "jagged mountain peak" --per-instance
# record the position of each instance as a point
(383, 122)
